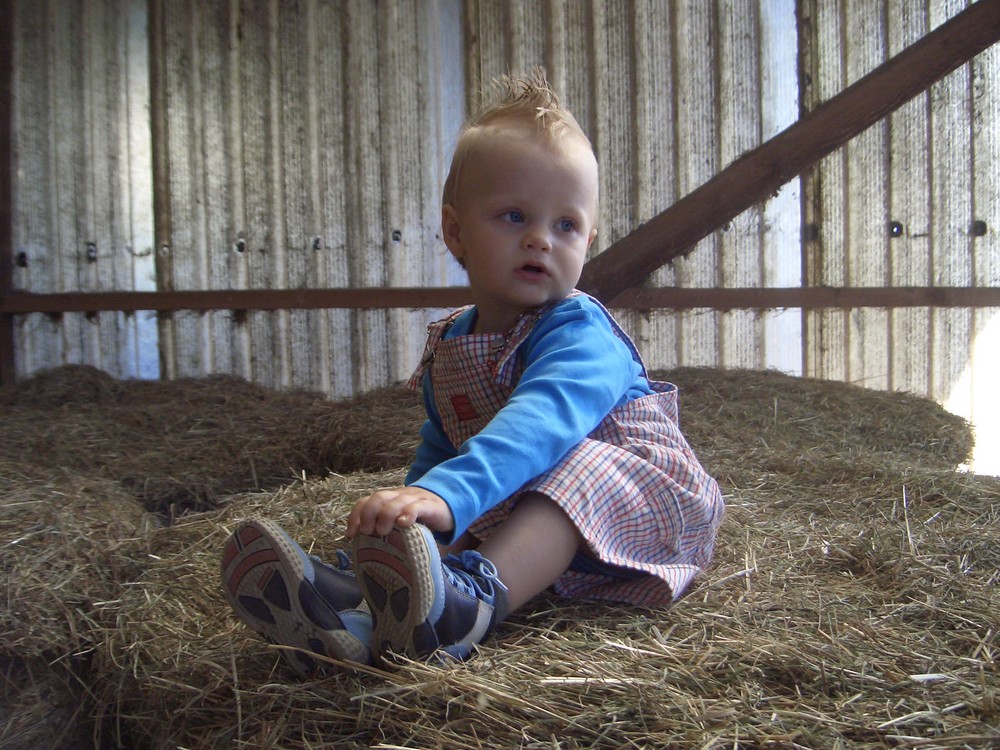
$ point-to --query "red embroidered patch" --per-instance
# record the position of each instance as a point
(463, 407)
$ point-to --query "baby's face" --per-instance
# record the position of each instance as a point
(524, 217)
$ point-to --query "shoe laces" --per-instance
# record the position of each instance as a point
(471, 572)
(343, 564)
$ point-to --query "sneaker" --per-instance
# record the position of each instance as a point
(422, 604)
(293, 599)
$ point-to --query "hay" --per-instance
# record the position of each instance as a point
(60, 547)
(181, 445)
(41, 707)
(866, 627)
(852, 604)
(803, 427)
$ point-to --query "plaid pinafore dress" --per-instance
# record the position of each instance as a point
(645, 506)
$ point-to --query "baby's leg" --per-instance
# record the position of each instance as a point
(464, 542)
(422, 602)
(532, 548)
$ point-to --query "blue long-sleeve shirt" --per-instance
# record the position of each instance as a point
(576, 370)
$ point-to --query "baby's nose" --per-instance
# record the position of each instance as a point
(536, 239)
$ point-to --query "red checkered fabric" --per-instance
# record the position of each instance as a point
(633, 487)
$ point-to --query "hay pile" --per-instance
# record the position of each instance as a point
(181, 445)
(852, 603)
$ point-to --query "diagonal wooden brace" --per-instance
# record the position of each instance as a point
(758, 174)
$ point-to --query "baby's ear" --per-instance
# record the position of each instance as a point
(592, 237)
(451, 231)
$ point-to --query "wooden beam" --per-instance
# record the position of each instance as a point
(758, 174)
(7, 367)
(808, 298)
(237, 299)
(160, 137)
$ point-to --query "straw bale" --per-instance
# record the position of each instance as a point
(851, 604)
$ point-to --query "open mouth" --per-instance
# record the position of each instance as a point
(533, 269)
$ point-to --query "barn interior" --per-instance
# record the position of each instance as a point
(220, 251)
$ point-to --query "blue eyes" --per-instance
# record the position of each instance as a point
(517, 217)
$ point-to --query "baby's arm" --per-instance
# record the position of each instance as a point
(576, 371)
(377, 513)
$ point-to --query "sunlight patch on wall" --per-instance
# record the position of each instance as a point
(976, 397)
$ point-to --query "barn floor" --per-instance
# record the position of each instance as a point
(852, 603)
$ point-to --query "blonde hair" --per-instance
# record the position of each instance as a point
(520, 102)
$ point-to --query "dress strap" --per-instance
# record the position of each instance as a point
(620, 333)
(506, 365)
(507, 368)
(435, 332)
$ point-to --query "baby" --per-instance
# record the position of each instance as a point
(548, 458)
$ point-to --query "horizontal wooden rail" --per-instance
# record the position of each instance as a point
(808, 298)
(239, 299)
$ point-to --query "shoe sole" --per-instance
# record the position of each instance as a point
(400, 577)
(262, 570)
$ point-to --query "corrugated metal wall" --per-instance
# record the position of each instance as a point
(302, 144)
(670, 93)
(297, 144)
(82, 191)
(686, 87)
(913, 201)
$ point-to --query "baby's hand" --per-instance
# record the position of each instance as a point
(377, 513)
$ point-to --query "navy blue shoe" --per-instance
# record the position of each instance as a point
(422, 604)
(293, 599)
